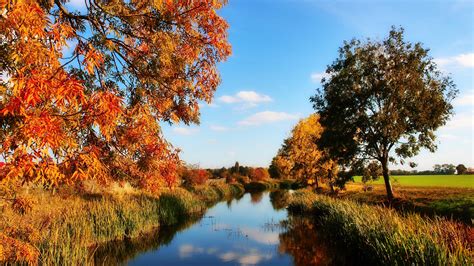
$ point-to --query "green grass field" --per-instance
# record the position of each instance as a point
(458, 181)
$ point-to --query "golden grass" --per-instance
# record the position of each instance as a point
(65, 227)
(383, 236)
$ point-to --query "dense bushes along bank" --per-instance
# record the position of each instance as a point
(381, 236)
(65, 229)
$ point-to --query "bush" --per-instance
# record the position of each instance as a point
(194, 177)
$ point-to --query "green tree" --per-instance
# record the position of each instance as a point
(461, 169)
(383, 100)
(236, 168)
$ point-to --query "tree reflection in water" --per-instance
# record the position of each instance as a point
(120, 251)
(231, 234)
(279, 199)
(256, 197)
(303, 243)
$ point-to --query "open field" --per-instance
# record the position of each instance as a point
(460, 181)
(457, 203)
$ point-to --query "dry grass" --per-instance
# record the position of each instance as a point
(383, 236)
(457, 203)
(63, 228)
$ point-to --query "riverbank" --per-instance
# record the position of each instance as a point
(453, 203)
(381, 235)
(64, 228)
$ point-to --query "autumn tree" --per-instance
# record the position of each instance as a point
(192, 175)
(383, 101)
(259, 174)
(301, 158)
(82, 94)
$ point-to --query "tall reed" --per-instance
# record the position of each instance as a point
(65, 229)
(383, 236)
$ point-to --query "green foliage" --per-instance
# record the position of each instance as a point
(371, 172)
(461, 169)
(382, 96)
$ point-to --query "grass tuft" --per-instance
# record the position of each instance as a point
(383, 236)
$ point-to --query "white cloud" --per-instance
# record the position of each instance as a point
(253, 257)
(316, 77)
(464, 100)
(267, 117)
(185, 131)
(269, 238)
(248, 98)
(186, 251)
(461, 60)
(218, 128)
(210, 105)
(460, 121)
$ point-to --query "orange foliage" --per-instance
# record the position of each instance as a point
(259, 174)
(92, 111)
(17, 251)
(195, 176)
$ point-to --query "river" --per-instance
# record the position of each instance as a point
(255, 229)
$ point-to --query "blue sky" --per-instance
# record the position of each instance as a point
(280, 49)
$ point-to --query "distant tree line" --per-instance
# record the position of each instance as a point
(194, 175)
(438, 169)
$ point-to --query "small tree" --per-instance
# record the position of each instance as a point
(382, 100)
(259, 174)
(301, 158)
(461, 169)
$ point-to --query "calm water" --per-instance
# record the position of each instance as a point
(252, 230)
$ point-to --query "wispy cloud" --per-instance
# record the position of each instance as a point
(267, 117)
(316, 77)
(268, 238)
(465, 100)
(251, 258)
(463, 121)
(218, 128)
(247, 98)
(210, 105)
(185, 131)
(461, 60)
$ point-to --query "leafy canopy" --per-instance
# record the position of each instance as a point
(300, 157)
(382, 96)
(82, 94)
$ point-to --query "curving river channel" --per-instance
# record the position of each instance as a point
(255, 229)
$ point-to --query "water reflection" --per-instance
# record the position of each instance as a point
(302, 241)
(256, 197)
(279, 199)
(253, 230)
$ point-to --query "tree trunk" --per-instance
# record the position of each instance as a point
(386, 178)
(316, 181)
(330, 182)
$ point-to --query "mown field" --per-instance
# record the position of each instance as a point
(458, 181)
